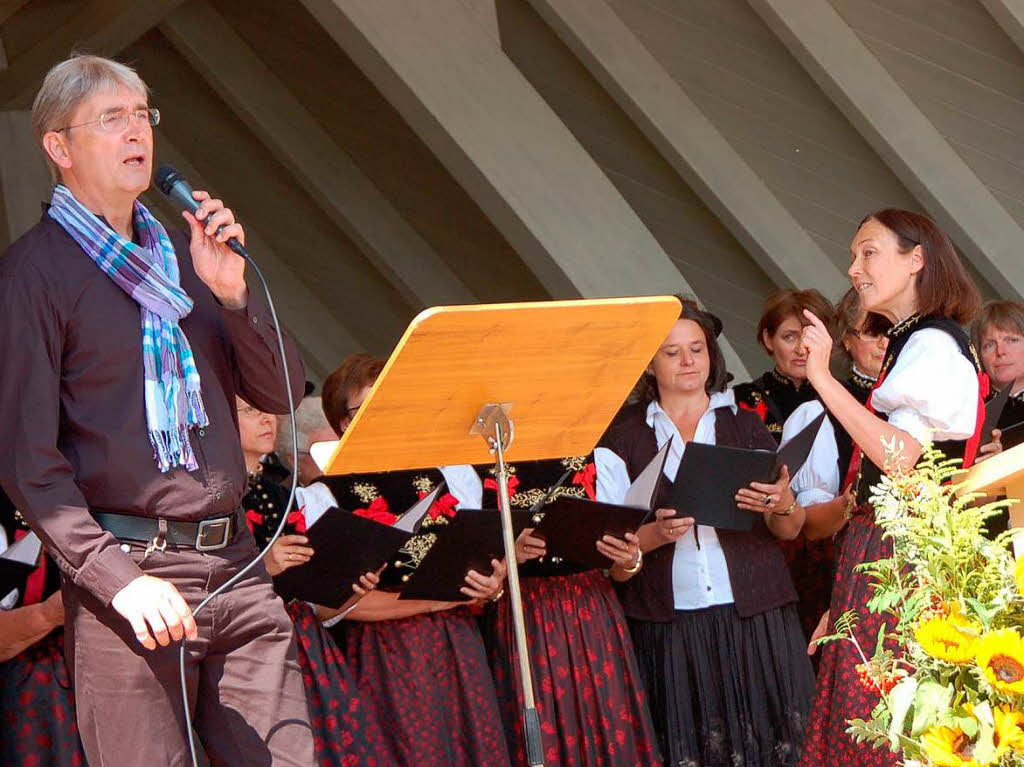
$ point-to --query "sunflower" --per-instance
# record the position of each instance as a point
(950, 747)
(950, 638)
(1000, 656)
(1008, 735)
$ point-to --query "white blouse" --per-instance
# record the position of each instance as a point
(700, 576)
(931, 392)
(817, 481)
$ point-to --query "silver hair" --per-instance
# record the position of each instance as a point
(71, 82)
(309, 419)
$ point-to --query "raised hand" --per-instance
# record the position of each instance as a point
(818, 343)
(215, 263)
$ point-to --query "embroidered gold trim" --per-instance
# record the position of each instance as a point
(365, 491)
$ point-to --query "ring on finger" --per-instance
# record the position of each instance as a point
(767, 500)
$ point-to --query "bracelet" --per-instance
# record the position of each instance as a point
(499, 595)
(635, 567)
(787, 512)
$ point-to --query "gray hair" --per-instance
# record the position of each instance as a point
(71, 82)
(309, 419)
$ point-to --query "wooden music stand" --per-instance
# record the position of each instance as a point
(1002, 474)
(565, 367)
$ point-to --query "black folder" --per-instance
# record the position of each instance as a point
(710, 475)
(571, 527)
(993, 410)
(345, 546)
(1012, 436)
(18, 561)
(470, 540)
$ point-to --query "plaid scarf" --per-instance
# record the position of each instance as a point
(149, 274)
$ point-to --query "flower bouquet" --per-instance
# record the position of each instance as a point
(949, 665)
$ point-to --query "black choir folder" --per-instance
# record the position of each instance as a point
(344, 547)
(470, 540)
(710, 475)
(571, 527)
(1010, 436)
(18, 561)
(993, 410)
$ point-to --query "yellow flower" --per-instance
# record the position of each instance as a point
(950, 638)
(1000, 656)
(950, 747)
(1018, 574)
(1008, 735)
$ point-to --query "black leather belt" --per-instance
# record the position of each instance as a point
(206, 535)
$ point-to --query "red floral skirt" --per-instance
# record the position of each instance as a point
(840, 695)
(427, 679)
(345, 730)
(37, 708)
(590, 699)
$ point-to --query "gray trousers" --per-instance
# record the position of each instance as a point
(245, 686)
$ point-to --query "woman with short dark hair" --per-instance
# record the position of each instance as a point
(778, 392)
(712, 612)
(998, 335)
(905, 270)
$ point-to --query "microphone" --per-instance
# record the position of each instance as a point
(170, 181)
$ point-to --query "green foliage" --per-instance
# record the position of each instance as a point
(943, 570)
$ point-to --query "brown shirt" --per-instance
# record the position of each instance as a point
(73, 419)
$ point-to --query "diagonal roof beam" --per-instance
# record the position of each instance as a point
(499, 139)
(347, 196)
(325, 340)
(904, 138)
(98, 26)
(1010, 16)
(691, 144)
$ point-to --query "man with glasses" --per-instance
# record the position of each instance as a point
(124, 346)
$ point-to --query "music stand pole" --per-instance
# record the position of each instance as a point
(495, 426)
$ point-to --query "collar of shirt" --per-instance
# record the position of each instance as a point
(665, 428)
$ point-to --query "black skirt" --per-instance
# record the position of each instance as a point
(37, 708)
(588, 692)
(724, 690)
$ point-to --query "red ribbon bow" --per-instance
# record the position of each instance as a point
(444, 505)
(492, 484)
(297, 519)
(377, 511)
(761, 408)
(253, 519)
(588, 479)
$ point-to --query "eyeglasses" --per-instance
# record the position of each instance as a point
(250, 412)
(115, 122)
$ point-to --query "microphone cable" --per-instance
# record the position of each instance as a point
(284, 515)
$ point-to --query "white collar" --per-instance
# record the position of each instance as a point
(718, 399)
(865, 376)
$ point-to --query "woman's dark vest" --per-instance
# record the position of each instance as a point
(757, 569)
(774, 398)
(899, 335)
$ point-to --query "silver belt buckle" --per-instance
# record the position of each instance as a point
(213, 534)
